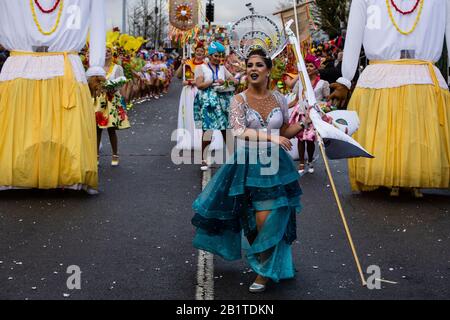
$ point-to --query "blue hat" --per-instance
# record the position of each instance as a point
(216, 47)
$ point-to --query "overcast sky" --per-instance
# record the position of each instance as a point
(226, 10)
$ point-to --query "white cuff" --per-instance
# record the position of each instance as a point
(95, 71)
(345, 82)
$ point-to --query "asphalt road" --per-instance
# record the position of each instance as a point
(133, 241)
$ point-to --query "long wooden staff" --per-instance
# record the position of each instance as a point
(184, 64)
(312, 101)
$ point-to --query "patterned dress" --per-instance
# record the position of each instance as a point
(211, 107)
(110, 108)
(156, 71)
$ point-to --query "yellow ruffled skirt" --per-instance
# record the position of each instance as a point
(43, 144)
(408, 135)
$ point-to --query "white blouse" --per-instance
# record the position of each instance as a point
(370, 26)
(322, 90)
(116, 73)
(206, 72)
(18, 32)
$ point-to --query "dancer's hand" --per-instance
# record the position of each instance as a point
(96, 85)
(339, 96)
(220, 82)
(285, 143)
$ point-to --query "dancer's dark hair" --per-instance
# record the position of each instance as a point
(260, 53)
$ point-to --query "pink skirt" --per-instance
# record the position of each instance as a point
(308, 134)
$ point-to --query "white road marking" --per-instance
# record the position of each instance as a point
(205, 267)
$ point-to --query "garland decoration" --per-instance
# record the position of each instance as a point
(51, 10)
(38, 25)
(391, 16)
(405, 12)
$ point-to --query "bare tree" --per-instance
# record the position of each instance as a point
(148, 19)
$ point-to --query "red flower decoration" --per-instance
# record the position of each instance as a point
(122, 114)
(47, 10)
(102, 121)
(405, 12)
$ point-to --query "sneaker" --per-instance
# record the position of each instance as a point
(92, 192)
(301, 169)
(310, 168)
(115, 161)
(205, 166)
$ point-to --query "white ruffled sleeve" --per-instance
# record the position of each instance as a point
(120, 72)
(354, 40)
(97, 46)
(238, 117)
(198, 72)
(326, 89)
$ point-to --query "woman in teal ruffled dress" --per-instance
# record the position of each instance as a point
(257, 193)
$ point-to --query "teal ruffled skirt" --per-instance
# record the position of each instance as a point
(211, 109)
(226, 212)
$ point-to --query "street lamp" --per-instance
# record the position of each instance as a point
(251, 8)
(253, 12)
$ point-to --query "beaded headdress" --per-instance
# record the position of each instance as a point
(256, 32)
